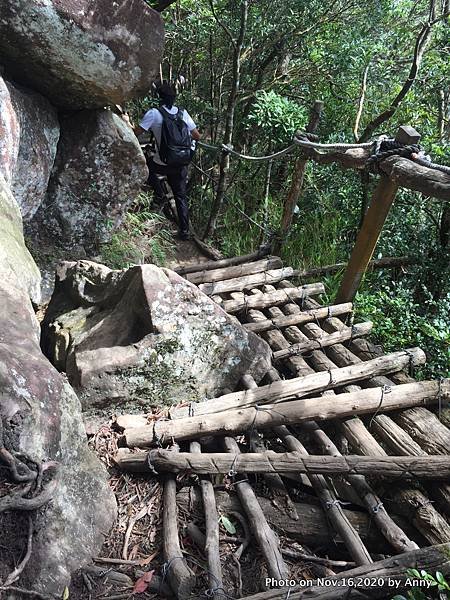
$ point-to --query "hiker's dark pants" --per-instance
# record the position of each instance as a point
(177, 180)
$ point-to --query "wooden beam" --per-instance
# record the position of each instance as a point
(265, 536)
(219, 264)
(346, 333)
(358, 583)
(211, 545)
(297, 179)
(311, 528)
(405, 172)
(390, 467)
(273, 298)
(366, 241)
(179, 575)
(291, 413)
(299, 319)
(209, 276)
(387, 262)
(246, 282)
(297, 387)
(330, 503)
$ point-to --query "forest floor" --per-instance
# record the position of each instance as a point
(134, 545)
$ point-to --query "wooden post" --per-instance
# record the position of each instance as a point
(297, 180)
(366, 241)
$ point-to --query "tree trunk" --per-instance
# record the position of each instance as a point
(224, 164)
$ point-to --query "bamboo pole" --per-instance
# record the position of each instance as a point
(391, 467)
(298, 387)
(291, 413)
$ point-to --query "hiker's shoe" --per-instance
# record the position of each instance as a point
(184, 235)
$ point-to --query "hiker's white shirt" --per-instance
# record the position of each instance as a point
(153, 120)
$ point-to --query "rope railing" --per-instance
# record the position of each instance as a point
(378, 153)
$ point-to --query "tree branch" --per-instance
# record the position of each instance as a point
(420, 46)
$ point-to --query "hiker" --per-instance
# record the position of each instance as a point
(174, 132)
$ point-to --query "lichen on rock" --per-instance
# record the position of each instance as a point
(152, 338)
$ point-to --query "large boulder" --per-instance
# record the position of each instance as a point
(99, 170)
(144, 336)
(38, 140)
(41, 425)
(82, 54)
(9, 134)
(16, 263)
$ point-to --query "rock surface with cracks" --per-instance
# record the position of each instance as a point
(41, 420)
(144, 336)
(82, 54)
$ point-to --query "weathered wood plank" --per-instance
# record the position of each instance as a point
(301, 386)
(290, 413)
(424, 467)
(273, 298)
(250, 268)
(345, 334)
(299, 318)
(246, 282)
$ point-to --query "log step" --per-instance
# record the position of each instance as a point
(291, 413)
(391, 467)
(273, 298)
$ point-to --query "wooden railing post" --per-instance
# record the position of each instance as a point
(366, 241)
(297, 181)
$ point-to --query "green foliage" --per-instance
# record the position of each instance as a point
(401, 322)
(143, 237)
(294, 53)
(276, 117)
(434, 586)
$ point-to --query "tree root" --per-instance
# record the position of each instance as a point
(20, 472)
(24, 592)
(18, 502)
(14, 576)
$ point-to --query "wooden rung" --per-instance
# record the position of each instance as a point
(273, 298)
(222, 263)
(302, 317)
(209, 276)
(298, 387)
(291, 413)
(391, 467)
(246, 282)
(346, 333)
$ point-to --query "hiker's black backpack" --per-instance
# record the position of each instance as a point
(175, 145)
